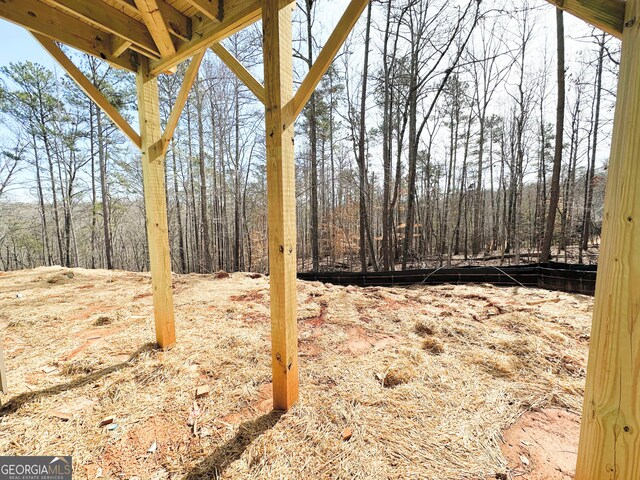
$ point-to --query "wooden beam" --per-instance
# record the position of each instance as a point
(607, 15)
(187, 82)
(610, 431)
(155, 205)
(87, 87)
(209, 8)
(41, 18)
(240, 71)
(278, 74)
(157, 26)
(179, 24)
(111, 20)
(325, 58)
(119, 46)
(238, 14)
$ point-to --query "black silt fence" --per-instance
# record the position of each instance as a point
(564, 277)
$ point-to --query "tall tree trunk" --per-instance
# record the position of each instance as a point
(554, 196)
(586, 223)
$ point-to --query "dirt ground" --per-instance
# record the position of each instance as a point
(445, 382)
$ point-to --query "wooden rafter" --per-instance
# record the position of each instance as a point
(119, 46)
(87, 87)
(238, 14)
(42, 18)
(324, 60)
(209, 8)
(187, 82)
(240, 71)
(110, 20)
(157, 26)
(607, 15)
(179, 24)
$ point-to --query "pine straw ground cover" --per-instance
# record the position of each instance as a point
(424, 379)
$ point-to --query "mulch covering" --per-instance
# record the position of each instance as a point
(395, 382)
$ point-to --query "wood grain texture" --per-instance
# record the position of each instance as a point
(187, 82)
(39, 17)
(155, 205)
(278, 74)
(238, 14)
(157, 26)
(110, 20)
(607, 15)
(325, 58)
(87, 87)
(610, 431)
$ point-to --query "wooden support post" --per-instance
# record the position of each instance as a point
(278, 74)
(155, 205)
(610, 432)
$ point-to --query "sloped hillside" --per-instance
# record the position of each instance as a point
(395, 383)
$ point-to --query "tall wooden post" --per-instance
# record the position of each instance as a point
(610, 433)
(155, 205)
(278, 79)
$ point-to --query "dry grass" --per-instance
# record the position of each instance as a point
(433, 346)
(367, 364)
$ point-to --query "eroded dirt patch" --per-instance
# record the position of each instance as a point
(543, 445)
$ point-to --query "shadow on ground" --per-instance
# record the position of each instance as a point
(13, 405)
(214, 465)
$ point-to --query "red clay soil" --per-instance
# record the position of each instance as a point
(543, 445)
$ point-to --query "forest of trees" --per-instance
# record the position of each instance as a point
(444, 133)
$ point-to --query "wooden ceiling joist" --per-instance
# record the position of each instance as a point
(42, 18)
(238, 14)
(212, 9)
(178, 23)
(607, 15)
(110, 20)
(157, 26)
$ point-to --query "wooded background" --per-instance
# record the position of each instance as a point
(444, 133)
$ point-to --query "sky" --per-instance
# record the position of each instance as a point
(18, 45)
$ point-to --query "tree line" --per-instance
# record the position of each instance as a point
(444, 133)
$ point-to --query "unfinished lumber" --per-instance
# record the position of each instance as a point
(278, 74)
(89, 88)
(158, 28)
(325, 58)
(187, 82)
(42, 18)
(240, 71)
(155, 205)
(607, 15)
(610, 431)
(111, 20)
